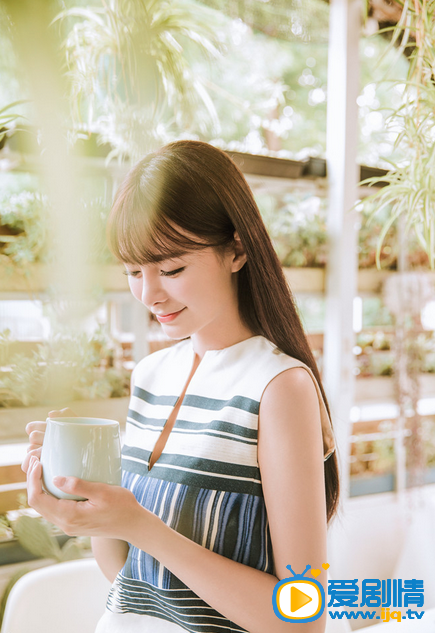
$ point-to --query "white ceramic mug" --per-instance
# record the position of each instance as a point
(88, 448)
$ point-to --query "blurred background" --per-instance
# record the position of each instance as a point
(87, 88)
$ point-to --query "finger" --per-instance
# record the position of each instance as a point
(35, 426)
(36, 437)
(45, 504)
(78, 487)
(67, 412)
(34, 447)
(60, 512)
(26, 462)
(34, 482)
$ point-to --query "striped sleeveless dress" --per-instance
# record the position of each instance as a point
(206, 484)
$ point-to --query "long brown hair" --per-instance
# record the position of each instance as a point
(196, 187)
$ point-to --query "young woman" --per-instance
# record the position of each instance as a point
(229, 467)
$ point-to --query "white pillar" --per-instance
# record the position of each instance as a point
(343, 176)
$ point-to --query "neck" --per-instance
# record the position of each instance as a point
(203, 342)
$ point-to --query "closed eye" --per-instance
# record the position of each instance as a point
(170, 273)
(167, 273)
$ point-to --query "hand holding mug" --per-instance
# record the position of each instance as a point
(108, 511)
(36, 431)
(80, 447)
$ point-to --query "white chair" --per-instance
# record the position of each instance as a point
(62, 598)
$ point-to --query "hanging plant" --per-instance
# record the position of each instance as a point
(131, 77)
(410, 192)
(7, 118)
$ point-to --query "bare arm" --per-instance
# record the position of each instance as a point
(110, 554)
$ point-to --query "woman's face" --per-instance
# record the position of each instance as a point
(191, 294)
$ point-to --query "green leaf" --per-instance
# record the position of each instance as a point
(34, 535)
(70, 550)
(381, 239)
(13, 104)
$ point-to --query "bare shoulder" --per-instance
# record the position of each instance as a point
(290, 412)
(292, 387)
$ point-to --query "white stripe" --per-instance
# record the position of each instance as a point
(206, 522)
(266, 540)
(197, 415)
(146, 438)
(161, 567)
(216, 521)
(205, 446)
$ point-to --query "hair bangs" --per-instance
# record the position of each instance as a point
(138, 233)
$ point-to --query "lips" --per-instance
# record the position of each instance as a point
(165, 318)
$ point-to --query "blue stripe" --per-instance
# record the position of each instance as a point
(183, 607)
(218, 425)
(142, 394)
(200, 402)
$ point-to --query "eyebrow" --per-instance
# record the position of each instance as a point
(160, 258)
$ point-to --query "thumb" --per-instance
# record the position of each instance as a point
(75, 486)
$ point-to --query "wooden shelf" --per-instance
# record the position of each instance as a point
(381, 388)
(39, 277)
(13, 421)
(313, 279)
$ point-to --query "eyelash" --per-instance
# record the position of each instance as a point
(169, 273)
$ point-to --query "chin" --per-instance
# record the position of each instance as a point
(176, 336)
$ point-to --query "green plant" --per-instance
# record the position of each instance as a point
(131, 79)
(297, 226)
(7, 117)
(24, 231)
(69, 366)
(25, 235)
(410, 193)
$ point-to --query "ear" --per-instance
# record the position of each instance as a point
(239, 258)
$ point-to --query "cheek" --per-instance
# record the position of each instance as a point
(135, 287)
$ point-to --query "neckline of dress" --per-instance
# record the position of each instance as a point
(211, 352)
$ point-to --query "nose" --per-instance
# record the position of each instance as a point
(152, 291)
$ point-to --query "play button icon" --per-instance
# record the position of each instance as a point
(298, 599)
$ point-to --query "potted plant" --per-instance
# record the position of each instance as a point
(69, 369)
